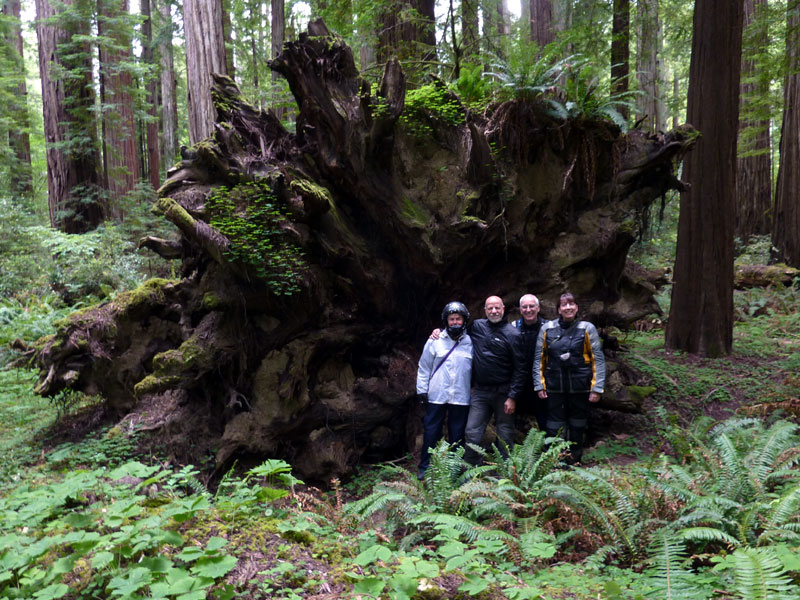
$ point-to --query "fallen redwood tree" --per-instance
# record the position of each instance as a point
(314, 263)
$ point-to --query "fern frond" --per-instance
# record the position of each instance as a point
(771, 444)
(787, 507)
(668, 578)
(469, 529)
(708, 534)
(759, 575)
(735, 484)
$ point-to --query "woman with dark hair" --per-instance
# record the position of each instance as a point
(569, 372)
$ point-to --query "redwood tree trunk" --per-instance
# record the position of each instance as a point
(169, 97)
(407, 31)
(21, 177)
(120, 157)
(278, 32)
(786, 233)
(153, 153)
(469, 28)
(753, 175)
(541, 21)
(620, 49)
(701, 314)
(649, 67)
(227, 33)
(67, 109)
(205, 54)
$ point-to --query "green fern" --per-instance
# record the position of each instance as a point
(740, 489)
(668, 579)
(759, 575)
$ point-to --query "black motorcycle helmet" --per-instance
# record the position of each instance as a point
(451, 308)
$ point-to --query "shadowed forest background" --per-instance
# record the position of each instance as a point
(228, 227)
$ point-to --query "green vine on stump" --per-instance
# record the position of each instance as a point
(249, 216)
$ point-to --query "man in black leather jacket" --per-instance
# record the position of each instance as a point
(529, 326)
(497, 377)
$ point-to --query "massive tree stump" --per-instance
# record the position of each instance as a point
(314, 263)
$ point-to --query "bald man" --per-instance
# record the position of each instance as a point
(498, 377)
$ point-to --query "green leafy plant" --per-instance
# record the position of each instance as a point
(742, 488)
(249, 216)
(582, 96)
(430, 105)
(531, 77)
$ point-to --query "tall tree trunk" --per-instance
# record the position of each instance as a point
(470, 28)
(541, 12)
(786, 231)
(496, 26)
(69, 129)
(120, 157)
(153, 153)
(649, 67)
(21, 176)
(753, 176)
(227, 32)
(278, 32)
(701, 314)
(620, 49)
(205, 54)
(169, 96)
(407, 31)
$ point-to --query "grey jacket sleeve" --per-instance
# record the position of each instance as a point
(598, 359)
(425, 368)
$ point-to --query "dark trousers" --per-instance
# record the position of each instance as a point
(529, 403)
(433, 424)
(568, 413)
(483, 404)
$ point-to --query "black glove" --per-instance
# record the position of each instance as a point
(423, 399)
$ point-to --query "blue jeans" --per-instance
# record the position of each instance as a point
(432, 428)
(484, 403)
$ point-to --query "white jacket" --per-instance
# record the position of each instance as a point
(451, 382)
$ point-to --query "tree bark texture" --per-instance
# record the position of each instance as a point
(395, 217)
(470, 28)
(496, 26)
(701, 313)
(168, 87)
(21, 176)
(541, 21)
(620, 50)
(786, 232)
(407, 31)
(753, 175)
(67, 109)
(205, 54)
(227, 36)
(120, 157)
(649, 67)
(148, 57)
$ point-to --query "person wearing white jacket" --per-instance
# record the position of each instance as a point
(443, 382)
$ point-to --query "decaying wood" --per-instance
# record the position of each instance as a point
(397, 210)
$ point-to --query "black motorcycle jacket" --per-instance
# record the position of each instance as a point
(497, 356)
(569, 358)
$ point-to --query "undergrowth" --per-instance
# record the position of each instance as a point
(711, 510)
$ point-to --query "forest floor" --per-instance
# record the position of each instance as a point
(97, 513)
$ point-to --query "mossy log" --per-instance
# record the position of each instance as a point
(296, 325)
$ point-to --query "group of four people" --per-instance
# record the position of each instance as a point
(471, 371)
